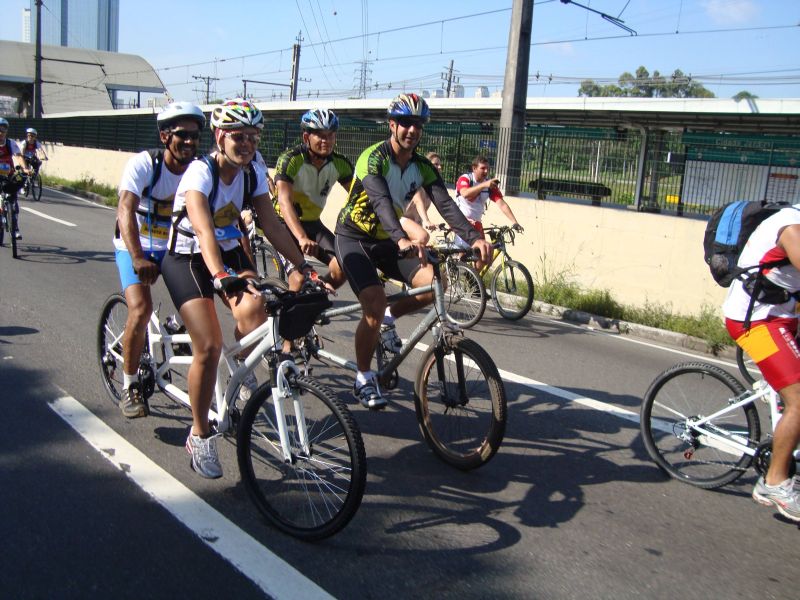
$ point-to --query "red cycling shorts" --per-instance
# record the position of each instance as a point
(772, 346)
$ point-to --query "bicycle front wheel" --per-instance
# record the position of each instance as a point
(512, 290)
(709, 455)
(460, 403)
(269, 263)
(465, 297)
(13, 227)
(36, 187)
(110, 334)
(315, 493)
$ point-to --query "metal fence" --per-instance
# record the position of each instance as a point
(675, 172)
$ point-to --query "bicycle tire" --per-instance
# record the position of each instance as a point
(36, 186)
(465, 296)
(311, 497)
(3, 220)
(745, 363)
(110, 331)
(269, 263)
(13, 225)
(464, 432)
(512, 301)
(688, 390)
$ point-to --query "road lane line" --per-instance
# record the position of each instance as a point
(272, 574)
(44, 216)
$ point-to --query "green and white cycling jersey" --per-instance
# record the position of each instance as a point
(310, 186)
(381, 192)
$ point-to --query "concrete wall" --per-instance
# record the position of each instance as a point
(640, 257)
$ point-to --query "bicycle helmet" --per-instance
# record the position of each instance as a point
(409, 105)
(177, 111)
(319, 119)
(31, 130)
(236, 114)
(3, 122)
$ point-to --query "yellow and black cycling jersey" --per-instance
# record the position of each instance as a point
(311, 186)
(382, 190)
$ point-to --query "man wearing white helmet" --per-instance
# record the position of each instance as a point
(369, 234)
(10, 159)
(207, 257)
(146, 194)
(33, 150)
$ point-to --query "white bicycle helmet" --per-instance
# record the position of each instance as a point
(31, 130)
(236, 114)
(319, 119)
(178, 111)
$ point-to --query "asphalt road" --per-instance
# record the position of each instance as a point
(570, 507)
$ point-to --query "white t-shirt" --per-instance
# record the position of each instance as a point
(225, 210)
(136, 177)
(760, 248)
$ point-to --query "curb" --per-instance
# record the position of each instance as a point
(77, 192)
(624, 327)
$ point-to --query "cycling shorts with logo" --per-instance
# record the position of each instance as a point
(772, 346)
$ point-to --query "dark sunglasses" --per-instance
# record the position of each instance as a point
(407, 122)
(185, 134)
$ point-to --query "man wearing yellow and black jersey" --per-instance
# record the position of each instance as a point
(304, 177)
(369, 234)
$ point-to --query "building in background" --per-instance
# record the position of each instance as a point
(90, 24)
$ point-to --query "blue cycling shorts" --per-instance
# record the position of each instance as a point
(127, 277)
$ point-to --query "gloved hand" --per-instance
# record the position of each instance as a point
(230, 285)
(517, 227)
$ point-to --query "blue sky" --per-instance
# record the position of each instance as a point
(727, 45)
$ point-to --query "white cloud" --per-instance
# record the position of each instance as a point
(731, 12)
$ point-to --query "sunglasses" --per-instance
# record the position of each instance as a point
(239, 137)
(407, 122)
(185, 134)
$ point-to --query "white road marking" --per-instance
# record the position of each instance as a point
(274, 576)
(44, 216)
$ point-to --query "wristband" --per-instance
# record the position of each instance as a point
(221, 275)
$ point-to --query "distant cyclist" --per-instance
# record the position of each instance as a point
(304, 176)
(10, 180)
(369, 234)
(32, 150)
(146, 194)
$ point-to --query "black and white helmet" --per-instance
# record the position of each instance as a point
(178, 111)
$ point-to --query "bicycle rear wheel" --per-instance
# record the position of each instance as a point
(269, 263)
(36, 186)
(3, 221)
(314, 495)
(460, 403)
(110, 333)
(465, 297)
(512, 290)
(745, 363)
(675, 400)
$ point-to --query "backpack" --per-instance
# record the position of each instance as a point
(250, 185)
(727, 233)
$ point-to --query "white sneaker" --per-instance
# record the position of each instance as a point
(205, 460)
(369, 394)
(390, 341)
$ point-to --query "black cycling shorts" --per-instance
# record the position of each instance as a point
(187, 276)
(359, 260)
(316, 231)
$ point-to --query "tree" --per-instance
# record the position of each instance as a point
(643, 85)
(744, 95)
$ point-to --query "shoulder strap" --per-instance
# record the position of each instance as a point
(214, 168)
(157, 156)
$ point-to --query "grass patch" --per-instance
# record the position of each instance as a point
(86, 184)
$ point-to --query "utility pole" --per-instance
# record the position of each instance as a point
(515, 95)
(37, 78)
(246, 81)
(448, 77)
(207, 80)
(295, 67)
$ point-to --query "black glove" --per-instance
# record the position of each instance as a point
(230, 285)
(517, 227)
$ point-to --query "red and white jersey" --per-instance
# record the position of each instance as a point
(7, 152)
(763, 247)
(30, 149)
(474, 209)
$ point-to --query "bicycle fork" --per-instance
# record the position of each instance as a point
(282, 389)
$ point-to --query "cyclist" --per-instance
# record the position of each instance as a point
(10, 179)
(474, 190)
(146, 193)
(31, 149)
(304, 176)
(369, 234)
(207, 256)
(770, 342)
